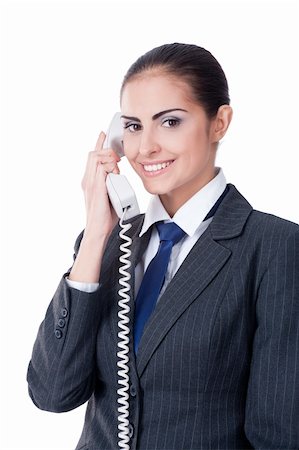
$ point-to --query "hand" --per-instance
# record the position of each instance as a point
(100, 216)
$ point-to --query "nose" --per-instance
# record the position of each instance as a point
(148, 143)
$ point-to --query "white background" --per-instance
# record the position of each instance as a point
(64, 62)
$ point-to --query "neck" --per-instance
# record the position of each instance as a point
(174, 200)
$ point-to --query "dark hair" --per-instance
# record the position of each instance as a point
(194, 65)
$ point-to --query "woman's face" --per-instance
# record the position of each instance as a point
(167, 138)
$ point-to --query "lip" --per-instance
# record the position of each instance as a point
(156, 172)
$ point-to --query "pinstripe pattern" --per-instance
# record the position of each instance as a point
(217, 366)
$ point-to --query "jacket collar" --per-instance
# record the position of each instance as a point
(231, 216)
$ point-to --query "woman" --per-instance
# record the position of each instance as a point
(214, 364)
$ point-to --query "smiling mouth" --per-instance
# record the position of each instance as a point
(156, 167)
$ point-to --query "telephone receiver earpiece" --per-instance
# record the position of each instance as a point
(114, 135)
(121, 193)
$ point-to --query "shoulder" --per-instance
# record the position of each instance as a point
(244, 217)
(271, 236)
(266, 222)
(258, 235)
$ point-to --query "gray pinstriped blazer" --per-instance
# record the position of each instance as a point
(218, 363)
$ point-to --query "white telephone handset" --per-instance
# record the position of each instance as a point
(119, 189)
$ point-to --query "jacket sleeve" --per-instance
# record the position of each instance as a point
(272, 409)
(62, 368)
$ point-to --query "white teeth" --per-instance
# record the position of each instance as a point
(155, 167)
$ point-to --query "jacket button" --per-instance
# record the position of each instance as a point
(133, 391)
(131, 430)
(58, 333)
(61, 323)
(64, 312)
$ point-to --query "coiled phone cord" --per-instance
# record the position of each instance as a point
(123, 336)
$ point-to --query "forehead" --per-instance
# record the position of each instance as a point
(156, 89)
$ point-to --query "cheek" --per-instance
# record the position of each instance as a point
(130, 149)
(191, 150)
(191, 139)
(197, 145)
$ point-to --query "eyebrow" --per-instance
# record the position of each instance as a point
(155, 116)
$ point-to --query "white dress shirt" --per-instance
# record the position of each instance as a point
(189, 217)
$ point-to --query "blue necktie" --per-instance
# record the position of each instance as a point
(153, 279)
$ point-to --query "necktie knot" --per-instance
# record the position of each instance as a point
(170, 232)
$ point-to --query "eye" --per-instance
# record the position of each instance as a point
(133, 127)
(171, 122)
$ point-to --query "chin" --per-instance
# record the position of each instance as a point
(154, 190)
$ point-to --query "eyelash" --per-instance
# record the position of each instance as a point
(129, 125)
(174, 120)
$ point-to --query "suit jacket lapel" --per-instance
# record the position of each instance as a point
(199, 268)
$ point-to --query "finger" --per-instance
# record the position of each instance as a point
(105, 152)
(116, 170)
(109, 167)
(92, 164)
(100, 141)
(104, 159)
(97, 157)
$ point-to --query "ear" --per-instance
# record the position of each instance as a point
(221, 123)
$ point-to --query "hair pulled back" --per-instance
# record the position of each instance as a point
(194, 65)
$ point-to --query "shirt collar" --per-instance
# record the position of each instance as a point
(201, 202)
